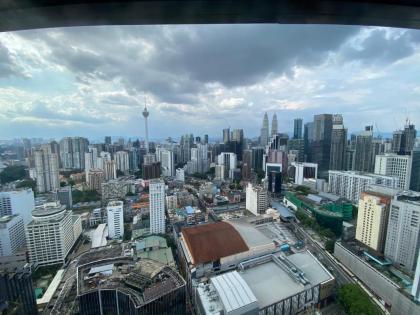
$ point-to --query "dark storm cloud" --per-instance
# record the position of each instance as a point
(7, 66)
(380, 48)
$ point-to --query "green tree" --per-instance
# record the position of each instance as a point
(27, 183)
(329, 246)
(120, 173)
(355, 301)
(12, 173)
(62, 184)
(85, 196)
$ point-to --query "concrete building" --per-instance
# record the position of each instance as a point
(395, 165)
(157, 206)
(256, 199)
(297, 128)
(415, 291)
(264, 136)
(96, 178)
(338, 144)
(305, 172)
(229, 161)
(72, 152)
(219, 172)
(20, 202)
(167, 163)
(321, 144)
(12, 234)
(372, 219)
(403, 236)
(51, 234)
(122, 161)
(115, 214)
(46, 170)
(415, 169)
(350, 184)
(151, 171)
(110, 170)
(64, 195)
(364, 150)
(180, 175)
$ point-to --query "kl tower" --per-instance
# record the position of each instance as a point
(145, 115)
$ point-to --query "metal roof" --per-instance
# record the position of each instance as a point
(102, 269)
(233, 291)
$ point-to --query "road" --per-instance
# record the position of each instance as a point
(341, 276)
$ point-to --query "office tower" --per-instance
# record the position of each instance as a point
(46, 170)
(274, 180)
(149, 158)
(299, 146)
(308, 137)
(180, 175)
(395, 165)
(226, 135)
(122, 161)
(167, 163)
(321, 145)
(157, 206)
(372, 219)
(350, 184)
(146, 129)
(26, 147)
(151, 171)
(198, 139)
(364, 150)
(229, 161)
(304, 172)
(72, 152)
(349, 159)
(110, 170)
(19, 202)
(115, 215)
(256, 199)
(415, 169)
(108, 140)
(264, 137)
(274, 125)
(64, 195)
(96, 178)
(17, 291)
(51, 234)
(199, 162)
(403, 235)
(297, 128)
(12, 234)
(219, 172)
(403, 140)
(237, 143)
(338, 144)
(186, 143)
(206, 139)
(247, 165)
(415, 290)
(134, 158)
(89, 164)
(106, 156)
(257, 158)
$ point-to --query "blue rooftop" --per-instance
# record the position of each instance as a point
(190, 210)
(282, 210)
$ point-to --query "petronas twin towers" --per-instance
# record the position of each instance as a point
(265, 136)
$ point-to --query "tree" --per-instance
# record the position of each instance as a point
(71, 182)
(120, 173)
(85, 196)
(62, 184)
(329, 246)
(12, 173)
(27, 183)
(355, 301)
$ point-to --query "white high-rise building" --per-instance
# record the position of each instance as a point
(229, 161)
(256, 199)
(115, 211)
(180, 174)
(149, 158)
(88, 164)
(395, 165)
(403, 236)
(72, 152)
(46, 169)
(415, 290)
(350, 184)
(51, 234)
(20, 202)
(219, 172)
(167, 162)
(122, 161)
(110, 170)
(157, 206)
(12, 234)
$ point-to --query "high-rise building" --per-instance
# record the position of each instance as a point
(167, 163)
(229, 161)
(264, 136)
(96, 178)
(206, 139)
(157, 206)
(415, 290)
(51, 234)
(219, 172)
(46, 170)
(89, 164)
(403, 236)
(321, 145)
(304, 172)
(110, 170)
(257, 158)
(274, 181)
(297, 128)
(12, 234)
(226, 135)
(64, 195)
(372, 219)
(17, 293)
(403, 140)
(338, 144)
(308, 138)
(299, 146)
(134, 158)
(256, 199)
(415, 169)
(247, 164)
(395, 165)
(115, 215)
(146, 128)
(237, 143)
(274, 125)
(122, 161)
(72, 152)
(20, 202)
(180, 175)
(108, 140)
(350, 184)
(364, 150)
(151, 171)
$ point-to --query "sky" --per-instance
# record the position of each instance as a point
(94, 81)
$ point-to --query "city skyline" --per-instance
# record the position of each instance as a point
(97, 88)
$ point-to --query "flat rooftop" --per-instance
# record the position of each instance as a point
(249, 233)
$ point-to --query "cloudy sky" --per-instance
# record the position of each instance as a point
(92, 81)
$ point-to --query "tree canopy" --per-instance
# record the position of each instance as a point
(355, 301)
(12, 173)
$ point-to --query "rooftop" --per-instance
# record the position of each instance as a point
(48, 209)
(207, 242)
(99, 236)
(115, 203)
(252, 236)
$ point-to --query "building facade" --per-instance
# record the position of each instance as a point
(157, 206)
(256, 199)
(20, 202)
(46, 170)
(395, 165)
(115, 214)
(12, 234)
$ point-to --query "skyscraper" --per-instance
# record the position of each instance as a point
(157, 206)
(46, 169)
(247, 164)
(338, 144)
(321, 145)
(274, 126)
(20, 202)
(122, 161)
(364, 150)
(297, 128)
(264, 131)
(403, 140)
(167, 162)
(108, 140)
(12, 234)
(115, 211)
(415, 169)
(146, 128)
(395, 165)
(72, 152)
(226, 135)
(237, 142)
